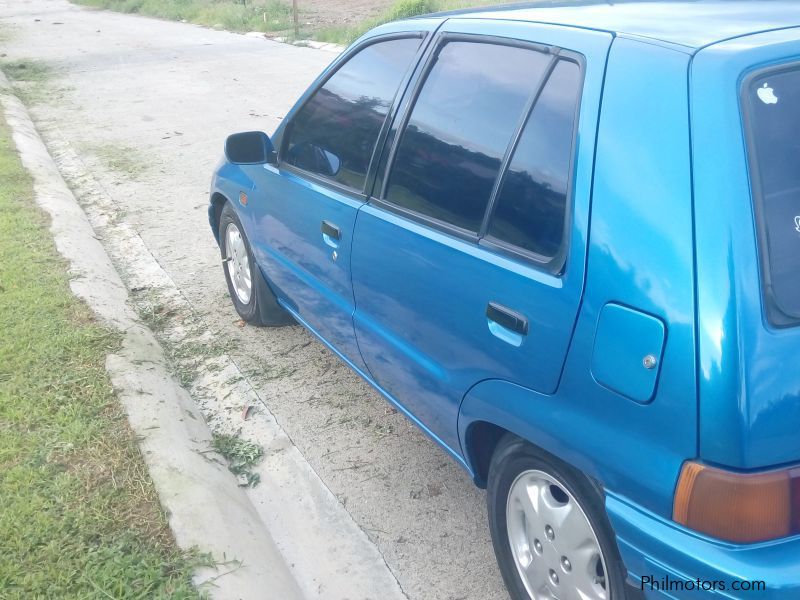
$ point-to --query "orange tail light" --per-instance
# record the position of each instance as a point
(738, 507)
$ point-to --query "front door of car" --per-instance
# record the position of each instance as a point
(468, 261)
(306, 205)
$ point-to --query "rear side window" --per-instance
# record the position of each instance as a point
(334, 133)
(530, 209)
(774, 122)
(450, 154)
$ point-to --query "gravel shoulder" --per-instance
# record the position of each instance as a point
(144, 105)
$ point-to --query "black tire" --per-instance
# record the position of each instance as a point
(512, 457)
(262, 308)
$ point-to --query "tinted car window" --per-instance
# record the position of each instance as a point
(775, 121)
(462, 122)
(334, 133)
(530, 208)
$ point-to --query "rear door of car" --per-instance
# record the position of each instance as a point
(468, 261)
(305, 207)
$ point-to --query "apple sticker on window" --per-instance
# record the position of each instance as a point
(767, 95)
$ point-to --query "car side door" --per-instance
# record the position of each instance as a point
(306, 205)
(469, 259)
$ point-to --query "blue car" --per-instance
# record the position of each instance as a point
(565, 243)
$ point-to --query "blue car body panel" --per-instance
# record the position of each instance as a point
(626, 338)
(428, 341)
(652, 186)
(228, 181)
(296, 256)
(663, 260)
(692, 24)
(659, 548)
(750, 410)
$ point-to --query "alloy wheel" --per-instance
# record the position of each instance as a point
(555, 548)
(237, 261)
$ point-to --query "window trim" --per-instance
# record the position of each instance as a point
(442, 40)
(433, 222)
(775, 313)
(511, 148)
(553, 265)
(350, 54)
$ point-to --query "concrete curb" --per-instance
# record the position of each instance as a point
(331, 557)
(207, 509)
(307, 43)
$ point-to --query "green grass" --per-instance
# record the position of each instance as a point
(29, 77)
(121, 159)
(79, 517)
(402, 9)
(241, 455)
(235, 15)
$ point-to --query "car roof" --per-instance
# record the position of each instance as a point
(685, 22)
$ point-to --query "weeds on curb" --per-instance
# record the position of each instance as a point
(241, 455)
(188, 355)
(155, 316)
(187, 358)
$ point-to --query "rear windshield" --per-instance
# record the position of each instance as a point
(773, 99)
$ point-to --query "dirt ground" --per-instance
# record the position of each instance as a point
(145, 105)
(318, 14)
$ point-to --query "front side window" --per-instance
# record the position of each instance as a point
(530, 208)
(334, 133)
(774, 110)
(450, 153)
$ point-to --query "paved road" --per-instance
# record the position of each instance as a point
(147, 104)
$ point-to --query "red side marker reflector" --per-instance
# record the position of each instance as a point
(242, 198)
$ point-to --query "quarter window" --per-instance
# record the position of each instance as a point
(465, 115)
(531, 205)
(334, 133)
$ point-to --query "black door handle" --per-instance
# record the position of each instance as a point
(331, 230)
(505, 317)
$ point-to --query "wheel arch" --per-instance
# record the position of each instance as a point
(215, 207)
(494, 408)
(480, 440)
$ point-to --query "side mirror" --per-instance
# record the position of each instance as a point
(249, 148)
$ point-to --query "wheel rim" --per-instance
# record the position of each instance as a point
(237, 261)
(555, 549)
